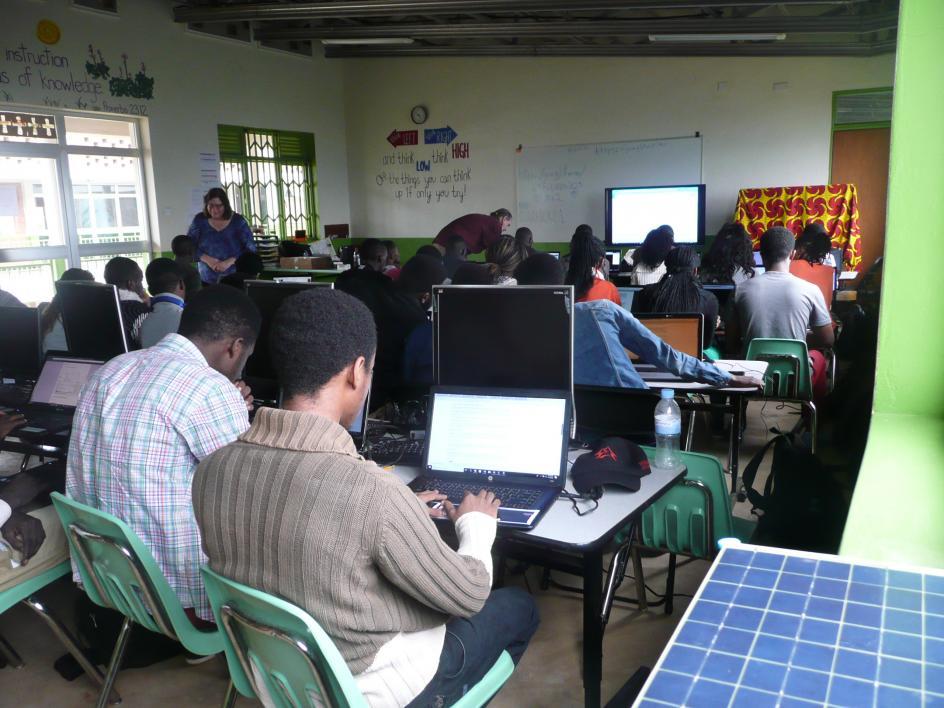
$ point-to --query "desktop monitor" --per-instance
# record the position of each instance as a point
(20, 343)
(632, 212)
(556, 254)
(758, 261)
(91, 317)
(614, 258)
(268, 295)
(496, 337)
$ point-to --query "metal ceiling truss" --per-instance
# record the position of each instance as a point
(564, 27)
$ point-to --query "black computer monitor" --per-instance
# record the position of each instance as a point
(91, 317)
(501, 337)
(20, 343)
(268, 296)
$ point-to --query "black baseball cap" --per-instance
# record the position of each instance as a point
(613, 461)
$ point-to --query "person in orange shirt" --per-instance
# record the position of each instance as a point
(588, 268)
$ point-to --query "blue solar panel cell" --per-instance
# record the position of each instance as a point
(784, 628)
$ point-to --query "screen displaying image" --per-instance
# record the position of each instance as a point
(632, 212)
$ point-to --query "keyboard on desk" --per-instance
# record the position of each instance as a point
(398, 450)
(511, 496)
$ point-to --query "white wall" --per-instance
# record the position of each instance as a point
(753, 135)
(199, 82)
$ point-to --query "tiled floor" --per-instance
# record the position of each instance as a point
(549, 673)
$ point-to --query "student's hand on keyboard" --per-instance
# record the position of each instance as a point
(485, 502)
(9, 422)
(434, 502)
(245, 392)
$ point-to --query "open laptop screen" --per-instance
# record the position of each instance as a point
(498, 435)
(61, 380)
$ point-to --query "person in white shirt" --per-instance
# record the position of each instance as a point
(647, 263)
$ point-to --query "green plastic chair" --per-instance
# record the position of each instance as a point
(276, 649)
(690, 518)
(119, 572)
(788, 376)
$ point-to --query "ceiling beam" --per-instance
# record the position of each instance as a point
(259, 12)
(593, 28)
(751, 49)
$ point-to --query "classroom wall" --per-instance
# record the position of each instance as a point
(757, 132)
(199, 82)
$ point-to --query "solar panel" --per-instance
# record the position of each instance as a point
(770, 627)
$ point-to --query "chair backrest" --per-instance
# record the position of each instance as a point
(276, 650)
(822, 276)
(693, 514)
(788, 367)
(119, 572)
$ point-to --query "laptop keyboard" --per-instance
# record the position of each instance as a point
(48, 420)
(394, 450)
(510, 496)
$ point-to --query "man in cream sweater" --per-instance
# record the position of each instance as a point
(292, 509)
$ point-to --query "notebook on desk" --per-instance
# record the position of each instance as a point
(509, 441)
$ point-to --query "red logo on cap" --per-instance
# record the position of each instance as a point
(605, 452)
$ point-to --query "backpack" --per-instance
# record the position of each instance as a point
(802, 503)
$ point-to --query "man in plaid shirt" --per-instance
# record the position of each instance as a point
(146, 419)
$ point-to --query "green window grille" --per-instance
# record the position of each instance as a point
(270, 178)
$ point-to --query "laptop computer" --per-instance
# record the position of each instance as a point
(684, 331)
(56, 393)
(512, 442)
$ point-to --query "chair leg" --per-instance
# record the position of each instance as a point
(691, 431)
(71, 644)
(7, 651)
(812, 408)
(640, 578)
(25, 462)
(670, 585)
(229, 700)
(115, 664)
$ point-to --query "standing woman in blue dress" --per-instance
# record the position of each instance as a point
(220, 236)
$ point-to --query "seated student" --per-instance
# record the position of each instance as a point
(475, 274)
(587, 269)
(248, 267)
(415, 621)
(419, 276)
(392, 269)
(166, 285)
(779, 305)
(373, 255)
(647, 263)
(145, 420)
(28, 523)
(429, 251)
(455, 254)
(127, 276)
(814, 245)
(185, 256)
(53, 333)
(679, 291)
(479, 231)
(603, 332)
(525, 240)
(505, 255)
(730, 260)
(9, 299)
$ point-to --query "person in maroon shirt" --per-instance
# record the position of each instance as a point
(479, 231)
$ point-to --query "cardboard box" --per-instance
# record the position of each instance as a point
(307, 263)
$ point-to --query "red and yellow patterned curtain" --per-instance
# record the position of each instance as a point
(836, 206)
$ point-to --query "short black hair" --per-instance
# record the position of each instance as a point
(119, 270)
(389, 244)
(540, 269)
(776, 245)
(163, 275)
(419, 274)
(370, 249)
(317, 333)
(469, 273)
(249, 263)
(429, 250)
(183, 246)
(220, 312)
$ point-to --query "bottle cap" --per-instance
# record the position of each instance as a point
(667, 393)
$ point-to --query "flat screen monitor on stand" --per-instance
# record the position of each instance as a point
(632, 212)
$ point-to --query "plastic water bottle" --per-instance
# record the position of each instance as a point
(668, 431)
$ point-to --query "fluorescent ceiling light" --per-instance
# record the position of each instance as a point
(742, 37)
(367, 40)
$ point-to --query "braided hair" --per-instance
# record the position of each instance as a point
(678, 291)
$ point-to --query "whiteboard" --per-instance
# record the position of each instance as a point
(562, 186)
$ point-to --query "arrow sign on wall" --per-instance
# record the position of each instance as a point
(403, 137)
(439, 135)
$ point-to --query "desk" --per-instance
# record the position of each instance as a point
(565, 541)
(770, 626)
(655, 378)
